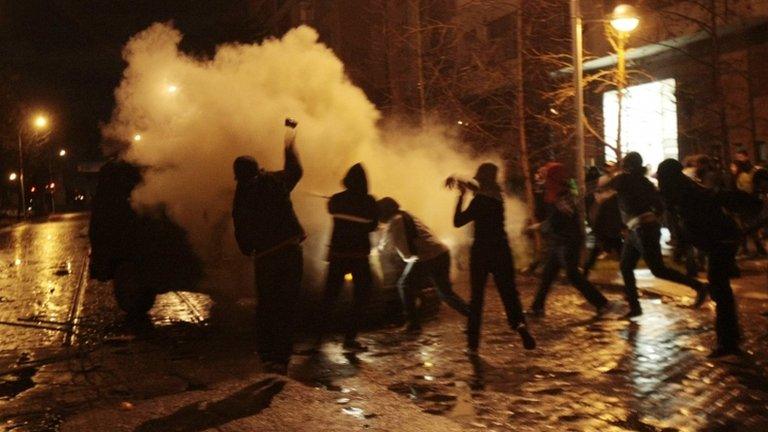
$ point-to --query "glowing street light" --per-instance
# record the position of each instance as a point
(13, 176)
(40, 121)
(62, 153)
(624, 18)
(137, 137)
(172, 89)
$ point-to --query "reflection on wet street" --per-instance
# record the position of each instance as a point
(71, 364)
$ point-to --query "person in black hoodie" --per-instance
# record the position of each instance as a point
(641, 207)
(354, 218)
(266, 228)
(490, 254)
(705, 224)
(565, 237)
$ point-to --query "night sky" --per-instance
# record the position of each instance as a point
(64, 56)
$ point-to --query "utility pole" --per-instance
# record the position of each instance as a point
(578, 87)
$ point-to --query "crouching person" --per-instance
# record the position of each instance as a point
(424, 256)
(267, 229)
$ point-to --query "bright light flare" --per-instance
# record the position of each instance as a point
(624, 18)
(13, 176)
(137, 137)
(348, 277)
(62, 153)
(40, 121)
(172, 89)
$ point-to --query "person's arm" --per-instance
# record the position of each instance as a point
(463, 217)
(292, 169)
(373, 214)
(399, 240)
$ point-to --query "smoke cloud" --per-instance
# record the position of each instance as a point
(188, 118)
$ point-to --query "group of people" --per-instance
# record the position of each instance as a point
(267, 228)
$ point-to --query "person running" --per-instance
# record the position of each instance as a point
(424, 255)
(705, 224)
(354, 218)
(490, 254)
(267, 229)
(641, 207)
(565, 237)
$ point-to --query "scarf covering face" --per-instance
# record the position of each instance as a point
(554, 182)
(486, 180)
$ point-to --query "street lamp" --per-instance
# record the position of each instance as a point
(623, 20)
(13, 176)
(62, 153)
(137, 137)
(40, 122)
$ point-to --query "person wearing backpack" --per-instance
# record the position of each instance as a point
(267, 229)
(423, 254)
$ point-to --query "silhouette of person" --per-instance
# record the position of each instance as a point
(490, 254)
(563, 228)
(641, 207)
(266, 228)
(705, 224)
(424, 255)
(354, 218)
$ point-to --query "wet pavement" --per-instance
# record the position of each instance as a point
(189, 372)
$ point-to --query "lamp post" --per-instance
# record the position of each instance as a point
(39, 122)
(578, 86)
(623, 21)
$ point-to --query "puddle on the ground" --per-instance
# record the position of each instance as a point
(14, 383)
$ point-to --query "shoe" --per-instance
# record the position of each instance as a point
(354, 346)
(633, 312)
(701, 296)
(722, 351)
(275, 367)
(529, 342)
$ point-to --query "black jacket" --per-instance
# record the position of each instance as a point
(637, 195)
(488, 215)
(262, 210)
(354, 216)
(563, 224)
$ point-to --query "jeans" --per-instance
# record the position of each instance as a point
(643, 241)
(721, 261)
(566, 255)
(438, 269)
(278, 286)
(360, 269)
(493, 258)
(602, 244)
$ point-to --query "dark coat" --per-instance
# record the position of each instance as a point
(262, 210)
(354, 216)
(637, 195)
(488, 215)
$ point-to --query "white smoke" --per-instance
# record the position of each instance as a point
(195, 116)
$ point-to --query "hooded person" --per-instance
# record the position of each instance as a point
(563, 229)
(490, 255)
(705, 224)
(641, 209)
(424, 256)
(267, 229)
(354, 218)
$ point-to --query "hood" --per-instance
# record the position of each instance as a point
(671, 179)
(245, 168)
(633, 163)
(554, 181)
(356, 180)
(486, 179)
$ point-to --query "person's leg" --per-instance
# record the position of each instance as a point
(334, 282)
(571, 255)
(503, 270)
(650, 235)
(291, 268)
(268, 281)
(592, 257)
(478, 276)
(726, 322)
(407, 291)
(362, 281)
(629, 257)
(548, 275)
(439, 269)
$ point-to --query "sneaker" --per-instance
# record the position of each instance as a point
(701, 296)
(529, 342)
(721, 351)
(354, 346)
